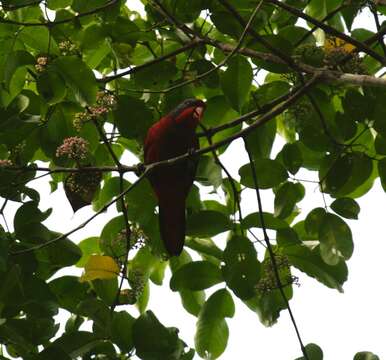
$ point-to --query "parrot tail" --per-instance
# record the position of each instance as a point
(172, 223)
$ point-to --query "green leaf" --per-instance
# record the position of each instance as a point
(218, 112)
(58, 4)
(37, 38)
(242, 269)
(207, 223)
(209, 172)
(132, 117)
(204, 246)
(270, 222)
(192, 301)
(335, 239)
(314, 352)
(346, 207)
(75, 344)
(89, 246)
(287, 237)
(197, 275)
(276, 42)
(15, 60)
(357, 106)
(314, 220)
(366, 355)
(157, 76)
(69, 291)
(52, 258)
(51, 86)
(286, 198)
(382, 172)
(310, 262)
(236, 81)
(270, 173)
(78, 77)
(153, 341)
(106, 289)
(202, 66)
(292, 157)
(212, 331)
(260, 140)
(380, 144)
(345, 175)
(121, 330)
(29, 213)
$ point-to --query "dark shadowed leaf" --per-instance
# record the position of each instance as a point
(153, 341)
(310, 262)
(132, 117)
(78, 77)
(270, 222)
(286, 198)
(242, 269)
(236, 81)
(335, 239)
(346, 207)
(269, 173)
(207, 223)
(313, 351)
(366, 355)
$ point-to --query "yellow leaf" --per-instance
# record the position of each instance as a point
(333, 43)
(100, 267)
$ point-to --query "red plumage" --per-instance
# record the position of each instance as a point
(173, 135)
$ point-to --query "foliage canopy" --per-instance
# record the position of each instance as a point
(81, 83)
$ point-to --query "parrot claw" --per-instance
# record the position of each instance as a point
(140, 169)
(191, 152)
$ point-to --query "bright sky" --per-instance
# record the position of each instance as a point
(341, 324)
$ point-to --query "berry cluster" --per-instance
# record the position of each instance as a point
(74, 148)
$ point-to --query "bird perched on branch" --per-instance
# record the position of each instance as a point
(173, 135)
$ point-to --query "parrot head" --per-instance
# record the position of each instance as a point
(188, 113)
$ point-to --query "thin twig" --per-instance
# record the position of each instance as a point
(271, 253)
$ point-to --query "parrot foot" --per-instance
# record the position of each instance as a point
(140, 169)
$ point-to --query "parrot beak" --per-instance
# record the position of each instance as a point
(198, 111)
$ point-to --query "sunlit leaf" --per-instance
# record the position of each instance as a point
(100, 267)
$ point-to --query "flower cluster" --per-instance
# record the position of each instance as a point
(105, 102)
(66, 47)
(75, 148)
(41, 63)
(5, 163)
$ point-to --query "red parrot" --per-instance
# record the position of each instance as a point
(171, 136)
